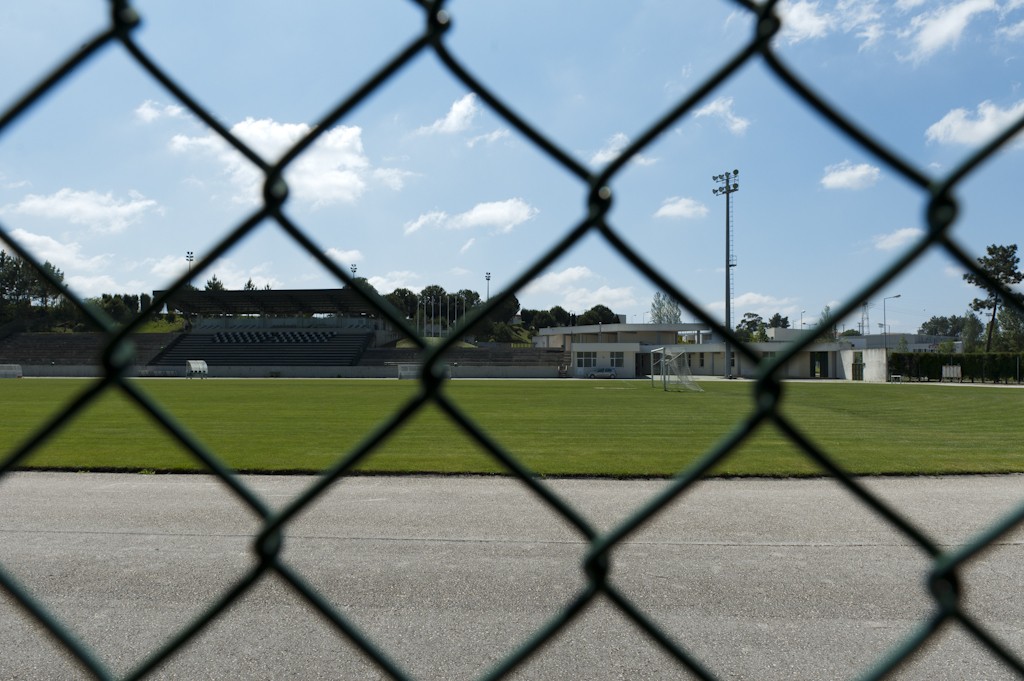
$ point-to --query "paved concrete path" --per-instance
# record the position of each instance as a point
(760, 579)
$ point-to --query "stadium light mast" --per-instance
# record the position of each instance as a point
(188, 257)
(487, 276)
(728, 186)
(353, 268)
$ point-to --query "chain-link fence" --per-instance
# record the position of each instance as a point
(768, 393)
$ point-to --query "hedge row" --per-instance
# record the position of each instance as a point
(1003, 367)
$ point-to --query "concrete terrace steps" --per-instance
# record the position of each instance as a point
(75, 348)
(468, 356)
(274, 349)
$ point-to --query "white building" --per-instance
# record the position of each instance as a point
(627, 348)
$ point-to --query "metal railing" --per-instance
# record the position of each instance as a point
(768, 392)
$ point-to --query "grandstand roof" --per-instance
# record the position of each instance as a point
(342, 301)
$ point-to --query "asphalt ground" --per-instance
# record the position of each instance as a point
(758, 579)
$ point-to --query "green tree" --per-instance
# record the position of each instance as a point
(1011, 330)
(599, 314)
(827, 326)
(502, 333)
(664, 310)
(762, 334)
(249, 286)
(947, 347)
(973, 329)
(506, 311)
(1000, 264)
(527, 316)
(777, 321)
(850, 332)
(748, 326)
(902, 345)
(543, 319)
(214, 284)
(404, 300)
(560, 314)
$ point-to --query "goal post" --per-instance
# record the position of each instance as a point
(672, 369)
(413, 371)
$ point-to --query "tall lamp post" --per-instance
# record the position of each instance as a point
(802, 319)
(487, 276)
(188, 257)
(885, 335)
(353, 268)
(728, 186)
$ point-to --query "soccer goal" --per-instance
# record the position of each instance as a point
(413, 371)
(673, 369)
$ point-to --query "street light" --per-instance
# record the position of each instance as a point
(727, 188)
(885, 336)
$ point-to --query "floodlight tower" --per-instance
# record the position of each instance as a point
(189, 257)
(728, 186)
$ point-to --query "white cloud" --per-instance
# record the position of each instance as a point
(502, 215)
(492, 137)
(942, 27)
(392, 177)
(722, 108)
(169, 267)
(557, 282)
(681, 207)
(613, 149)
(100, 212)
(901, 237)
(563, 285)
(65, 257)
(459, 117)
(467, 246)
(1011, 32)
(344, 258)
(91, 287)
(582, 299)
(758, 303)
(907, 5)
(330, 171)
(393, 280)
(151, 110)
(957, 127)
(459, 272)
(954, 271)
(801, 20)
(427, 219)
(845, 175)
(235, 277)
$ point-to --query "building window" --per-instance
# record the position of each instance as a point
(768, 355)
(618, 359)
(732, 359)
(702, 359)
(858, 358)
(586, 359)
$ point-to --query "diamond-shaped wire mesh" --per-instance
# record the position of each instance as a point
(941, 216)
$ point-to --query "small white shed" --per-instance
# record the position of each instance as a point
(196, 367)
(10, 371)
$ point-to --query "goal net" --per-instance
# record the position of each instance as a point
(673, 370)
(413, 371)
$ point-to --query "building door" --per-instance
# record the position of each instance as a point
(819, 365)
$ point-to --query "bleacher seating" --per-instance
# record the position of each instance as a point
(267, 348)
(76, 348)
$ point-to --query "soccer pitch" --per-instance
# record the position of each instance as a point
(599, 428)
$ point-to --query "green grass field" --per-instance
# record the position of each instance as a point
(604, 428)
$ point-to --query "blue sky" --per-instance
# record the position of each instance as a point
(110, 179)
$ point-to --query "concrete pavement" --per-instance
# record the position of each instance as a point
(760, 579)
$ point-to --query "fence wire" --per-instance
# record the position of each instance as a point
(768, 393)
